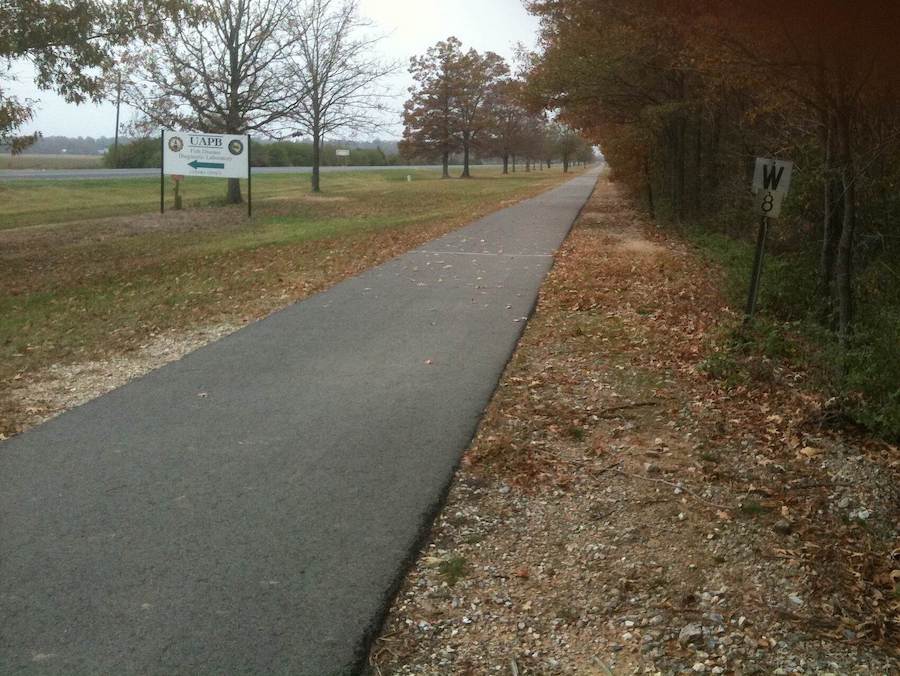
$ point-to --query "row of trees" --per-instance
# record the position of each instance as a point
(146, 153)
(683, 94)
(279, 68)
(272, 67)
(464, 102)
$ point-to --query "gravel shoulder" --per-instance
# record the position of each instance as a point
(622, 511)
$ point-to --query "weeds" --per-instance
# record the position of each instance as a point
(454, 569)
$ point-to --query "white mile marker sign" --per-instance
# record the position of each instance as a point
(771, 182)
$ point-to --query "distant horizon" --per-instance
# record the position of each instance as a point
(107, 141)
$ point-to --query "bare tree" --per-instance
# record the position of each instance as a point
(333, 73)
(226, 74)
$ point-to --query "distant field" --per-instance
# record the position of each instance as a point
(90, 268)
(51, 161)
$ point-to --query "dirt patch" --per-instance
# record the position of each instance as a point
(642, 247)
(621, 511)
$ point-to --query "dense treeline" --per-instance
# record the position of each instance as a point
(465, 102)
(683, 96)
(146, 153)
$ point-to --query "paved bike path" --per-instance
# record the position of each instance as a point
(249, 508)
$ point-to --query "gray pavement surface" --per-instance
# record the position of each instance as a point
(251, 507)
(106, 174)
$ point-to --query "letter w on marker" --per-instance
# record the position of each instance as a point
(772, 177)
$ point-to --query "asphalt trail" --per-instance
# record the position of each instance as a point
(250, 507)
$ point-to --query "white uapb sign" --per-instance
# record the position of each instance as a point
(196, 154)
(771, 182)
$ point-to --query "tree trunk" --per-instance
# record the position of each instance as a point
(316, 160)
(698, 166)
(505, 164)
(233, 193)
(648, 179)
(514, 163)
(445, 165)
(527, 165)
(844, 267)
(465, 171)
(831, 228)
(682, 171)
(565, 164)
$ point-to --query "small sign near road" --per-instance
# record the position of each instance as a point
(196, 154)
(186, 153)
(771, 182)
(342, 152)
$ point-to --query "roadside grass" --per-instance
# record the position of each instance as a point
(58, 161)
(39, 202)
(35, 202)
(76, 290)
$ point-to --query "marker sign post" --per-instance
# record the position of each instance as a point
(771, 182)
(198, 154)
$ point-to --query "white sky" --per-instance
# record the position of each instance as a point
(411, 27)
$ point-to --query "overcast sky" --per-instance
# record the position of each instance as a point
(411, 27)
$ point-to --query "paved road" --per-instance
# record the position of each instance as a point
(94, 174)
(249, 508)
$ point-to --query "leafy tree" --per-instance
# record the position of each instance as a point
(476, 94)
(682, 95)
(508, 124)
(429, 115)
(450, 106)
(70, 45)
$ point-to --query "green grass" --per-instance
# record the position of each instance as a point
(74, 287)
(62, 161)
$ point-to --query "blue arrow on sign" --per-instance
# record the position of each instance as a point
(197, 164)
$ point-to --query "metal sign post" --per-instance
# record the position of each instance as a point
(757, 267)
(162, 172)
(249, 183)
(771, 182)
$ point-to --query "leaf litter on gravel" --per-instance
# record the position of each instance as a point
(621, 511)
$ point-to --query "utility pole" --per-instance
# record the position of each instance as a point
(118, 105)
